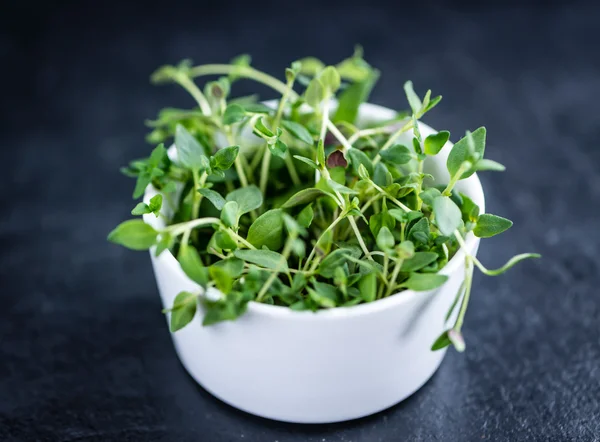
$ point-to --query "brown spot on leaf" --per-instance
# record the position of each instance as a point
(336, 159)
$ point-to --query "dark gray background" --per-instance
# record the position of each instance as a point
(84, 350)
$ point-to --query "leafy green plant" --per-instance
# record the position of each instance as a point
(302, 206)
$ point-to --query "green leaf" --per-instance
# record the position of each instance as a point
(363, 173)
(298, 282)
(358, 157)
(311, 65)
(428, 195)
(420, 231)
(441, 342)
(166, 241)
(224, 158)
(191, 264)
(330, 79)
(469, 210)
(142, 182)
(292, 226)
(382, 176)
(434, 143)
(233, 114)
(261, 129)
(306, 216)
(263, 258)
(368, 287)
(385, 239)
(308, 161)
(278, 148)
(183, 310)
(257, 108)
(241, 61)
(418, 261)
(341, 188)
(305, 196)
(156, 204)
(222, 278)
(323, 294)
(405, 217)
(335, 260)
(461, 152)
(230, 213)
(380, 220)
(298, 131)
(228, 309)
(396, 154)
(214, 197)
(447, 215)
(353, 96)
(490, 225)
(413, 99)
(248, 198)
(189, 151)
(141, 209)
(170, 187)
(315, 93)
(232, 266)
(422, 282)
(432, 103)
(405, 250)
(225, 241)
(134, 234)
(492, 165)
(267, 230)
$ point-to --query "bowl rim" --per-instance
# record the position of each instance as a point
(473, 183)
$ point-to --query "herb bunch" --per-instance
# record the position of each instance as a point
(298, 205)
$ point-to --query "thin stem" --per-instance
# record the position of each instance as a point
(241, 239)
(186, 238)
(340, 198)
(392, 281)
(178, 229)
(281, 105)
(285, 253)
(257, 157)
(289, 163)
(264, 170)
(386, 261)
(366, 132)
(198, 183)
(242, 71)
(465, 301)
(336, 133)
(511, 262)
(462, 169)
(238, 159)
(391, 198)
(362, 210)
(185, 82)
(419, 185)
(314, 250)
(360, 239)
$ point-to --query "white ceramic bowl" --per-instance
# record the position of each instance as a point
(328, 366)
